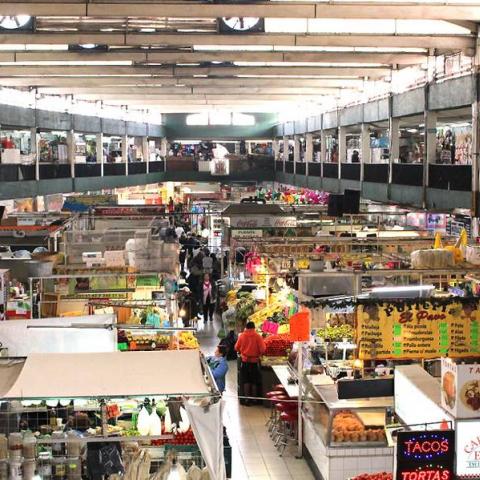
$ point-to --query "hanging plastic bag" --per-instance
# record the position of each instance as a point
(143, 422)
(155, 424)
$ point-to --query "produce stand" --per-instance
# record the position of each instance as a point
(109, 406)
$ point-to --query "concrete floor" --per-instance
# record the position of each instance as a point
(254, 456)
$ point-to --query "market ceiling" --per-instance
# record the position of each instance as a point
(188, 56)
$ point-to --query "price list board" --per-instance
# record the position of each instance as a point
(401, 331)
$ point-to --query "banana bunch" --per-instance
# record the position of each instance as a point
(187, 340)
(261, 315)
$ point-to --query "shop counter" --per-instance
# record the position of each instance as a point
(284, 373)
(344, 438)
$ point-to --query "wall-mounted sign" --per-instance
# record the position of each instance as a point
(468, 448)
(247, 233)
(262, 221)
(461, 389)
(425, 455)
(424, 330)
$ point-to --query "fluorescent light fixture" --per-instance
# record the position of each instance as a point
(88, 46)
(69, 63)
(233, 48)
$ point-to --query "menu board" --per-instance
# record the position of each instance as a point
(424, 330)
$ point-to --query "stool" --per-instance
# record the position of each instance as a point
(288, 430)
(279, 408)
(273, 419)
(274, 394)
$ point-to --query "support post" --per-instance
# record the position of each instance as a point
(308, 148)
(296, 152)
(342, 148)
(475, 149)
(394, 147)
(71, 152)
(285, 151)
(35, 153)
(365, 155)
(99, 151)
(146, 153)
(430, 150)
(125, 152)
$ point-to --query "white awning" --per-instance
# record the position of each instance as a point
(112, 374)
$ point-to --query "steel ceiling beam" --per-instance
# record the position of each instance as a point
(271, 9)
(133, 71)
(451, 42)
(190, 57)
(70, 83)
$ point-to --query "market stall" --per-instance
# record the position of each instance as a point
(68, 428)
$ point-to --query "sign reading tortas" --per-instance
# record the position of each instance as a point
(424, 330)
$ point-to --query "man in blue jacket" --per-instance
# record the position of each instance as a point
(219, 366)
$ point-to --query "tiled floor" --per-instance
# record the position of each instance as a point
(253, 455)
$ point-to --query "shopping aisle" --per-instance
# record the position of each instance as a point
(253, 455)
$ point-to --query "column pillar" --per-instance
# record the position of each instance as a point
(285, 150)
(34, 149)
(308, 151)
(365, 155)
(163, 148)
(323, 147)
(296, 150)
(394, 146)
(308, 148)
(99, 151)
(125, 152)
(276, 148)
(146, 153)
(430, 150)
(237, 148)
(342, 148)
(475, 157)
(249, 148)
(71, 152)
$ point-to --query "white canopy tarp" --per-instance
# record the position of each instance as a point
(112, 374)
(208, 429)
(59, 335)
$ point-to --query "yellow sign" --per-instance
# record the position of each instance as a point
(426, 330)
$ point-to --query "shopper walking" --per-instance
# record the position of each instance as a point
(208, 298)
(219, 366)
(251, 347)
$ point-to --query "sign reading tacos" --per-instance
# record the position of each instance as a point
(426, 330)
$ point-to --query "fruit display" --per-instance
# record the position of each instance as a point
(184, 438)
(278, 345)
(336, 333)
(347, 427)
(186, 341)
(138, 340)
(374, 476)
(266, 313)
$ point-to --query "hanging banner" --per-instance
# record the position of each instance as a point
(423, 330)
(468, 449)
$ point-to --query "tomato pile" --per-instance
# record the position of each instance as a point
(277, 345)
(374, 476)
(187, 438)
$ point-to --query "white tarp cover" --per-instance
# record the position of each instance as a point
(208, 429)
(113, 374)
(22, 340)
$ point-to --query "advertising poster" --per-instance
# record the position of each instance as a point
(401, 330)
(422, 455)
(468, 449)
(461, 389)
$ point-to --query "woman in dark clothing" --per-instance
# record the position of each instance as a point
(208, 297)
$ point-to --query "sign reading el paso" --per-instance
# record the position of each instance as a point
(423, 330)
